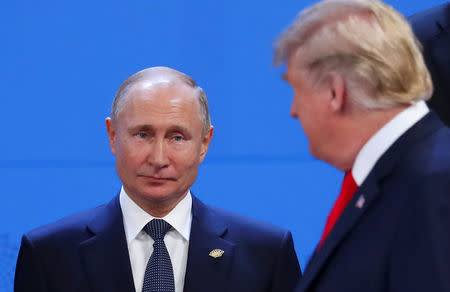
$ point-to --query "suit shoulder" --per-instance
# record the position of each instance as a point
(248, 225)
(430, 156)
(424, 171)
(424, 22)
(65, 228)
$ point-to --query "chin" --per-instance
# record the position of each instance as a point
(156, 194)
(314, 152)
(162, 193)
(320, 155)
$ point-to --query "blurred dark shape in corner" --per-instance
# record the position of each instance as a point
(432, 28)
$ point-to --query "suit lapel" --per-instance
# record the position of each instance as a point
(204, 272)
(369, 191)
(105, 254)
(346, 222)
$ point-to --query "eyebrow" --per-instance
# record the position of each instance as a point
(151, 129)
(180, 129)
(147, 128)
(284, 76)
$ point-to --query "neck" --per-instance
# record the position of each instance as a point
(356, 130)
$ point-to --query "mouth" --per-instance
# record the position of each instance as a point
(156, 179)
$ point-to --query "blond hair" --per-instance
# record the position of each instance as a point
(367, 42)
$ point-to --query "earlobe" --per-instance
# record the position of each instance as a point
(205, 143)
(111, 134)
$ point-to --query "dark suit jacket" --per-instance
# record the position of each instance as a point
(88, 252)
(432, 28)
(399, 240)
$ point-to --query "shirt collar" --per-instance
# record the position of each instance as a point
(384, 138)
(135, 218)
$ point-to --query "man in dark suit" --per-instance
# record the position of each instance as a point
(432, 28)
(359, 84)
(155, 235)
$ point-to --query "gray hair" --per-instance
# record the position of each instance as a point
(174, 75)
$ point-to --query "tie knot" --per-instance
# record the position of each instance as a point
(157, 228)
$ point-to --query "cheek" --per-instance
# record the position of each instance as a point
(132, 154)
(185, 156)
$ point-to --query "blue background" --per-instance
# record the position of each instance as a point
(62, 62)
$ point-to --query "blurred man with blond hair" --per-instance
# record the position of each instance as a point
(360, 82)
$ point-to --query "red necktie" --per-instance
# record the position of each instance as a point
(349, 187)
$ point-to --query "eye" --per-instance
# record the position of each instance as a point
(142, 135)
(178, 138)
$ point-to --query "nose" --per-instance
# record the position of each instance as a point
(293, 111)
(158, 155)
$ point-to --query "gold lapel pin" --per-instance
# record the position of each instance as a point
(216, 253)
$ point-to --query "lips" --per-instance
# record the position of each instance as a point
(156, 179)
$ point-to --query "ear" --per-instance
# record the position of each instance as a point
(337, 93)
(205, 143)
(111, 134)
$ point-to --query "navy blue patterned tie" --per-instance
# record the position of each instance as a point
(159, 273)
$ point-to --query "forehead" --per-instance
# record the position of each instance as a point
(161, 102)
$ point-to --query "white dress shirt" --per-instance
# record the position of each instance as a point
(140, 244)
(384, 138)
